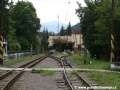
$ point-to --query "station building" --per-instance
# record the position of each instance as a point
(62, 43)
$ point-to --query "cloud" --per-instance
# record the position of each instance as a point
(48, 10)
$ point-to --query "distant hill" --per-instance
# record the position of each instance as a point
(76, 28)
(52, 26)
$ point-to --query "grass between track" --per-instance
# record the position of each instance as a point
(96, 64)
(110, 79)
(106, 79)
(43, 72)
(14, 61)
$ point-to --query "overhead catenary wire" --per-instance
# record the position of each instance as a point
(55, 1)
(67, 11)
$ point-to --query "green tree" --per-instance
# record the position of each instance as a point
(87, 27)
(62, 31)
(69, 30)
(4, 20)
(27, 24)
(103, 27)
(44, 39)
(51, 33)
(7, 24)
(96, 27)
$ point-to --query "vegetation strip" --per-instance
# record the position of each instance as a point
(96, 64)
(106, 78)
(11, 62)
(44, 72)
(69, 83)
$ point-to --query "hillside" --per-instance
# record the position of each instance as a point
(52, 26)
(76, 28)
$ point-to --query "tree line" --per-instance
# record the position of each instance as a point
(67, 31)
(95, 20)
(20, 24)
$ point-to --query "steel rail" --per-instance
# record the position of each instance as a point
(22, 66)
(67, 78)
(56, 58)
(85, 81)
(6, 74)
(64, 72)
(37, 61)
(10, 82)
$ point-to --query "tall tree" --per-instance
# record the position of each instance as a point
(7, 24)
(27, 24)
(44, 39)
(103, 27)
(62, 31)
(96, 27)
(4, 20)
(69, 30)
(88, 28)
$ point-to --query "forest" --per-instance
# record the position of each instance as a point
(95, 20)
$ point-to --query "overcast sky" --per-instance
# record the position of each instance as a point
(48, 10)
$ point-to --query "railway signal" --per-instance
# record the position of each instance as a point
(1, 32)
(112, 35)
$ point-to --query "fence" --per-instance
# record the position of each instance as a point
(19, 54)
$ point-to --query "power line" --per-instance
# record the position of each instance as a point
(67, 11)
(51, 1)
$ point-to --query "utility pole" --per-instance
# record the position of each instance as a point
(1, 35)
(58, 25)
(59, 44)
(80, 15)
(112, 35)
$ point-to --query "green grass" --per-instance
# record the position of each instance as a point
(73, 72)
(96, 64)
(106, 78)
(43, 72)
(2, 72)
(14, 61)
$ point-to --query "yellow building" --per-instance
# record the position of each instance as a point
(61, 43)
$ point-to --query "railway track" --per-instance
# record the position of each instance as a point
(76, 81)
(9, 78)
(73, 82)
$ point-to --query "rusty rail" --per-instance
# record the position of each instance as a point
(9, 83)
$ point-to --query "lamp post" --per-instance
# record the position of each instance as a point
(112, 35)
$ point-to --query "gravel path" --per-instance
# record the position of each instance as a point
(36, 81)
(48, 63)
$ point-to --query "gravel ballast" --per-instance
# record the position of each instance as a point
(48, 63)
(37, 81)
